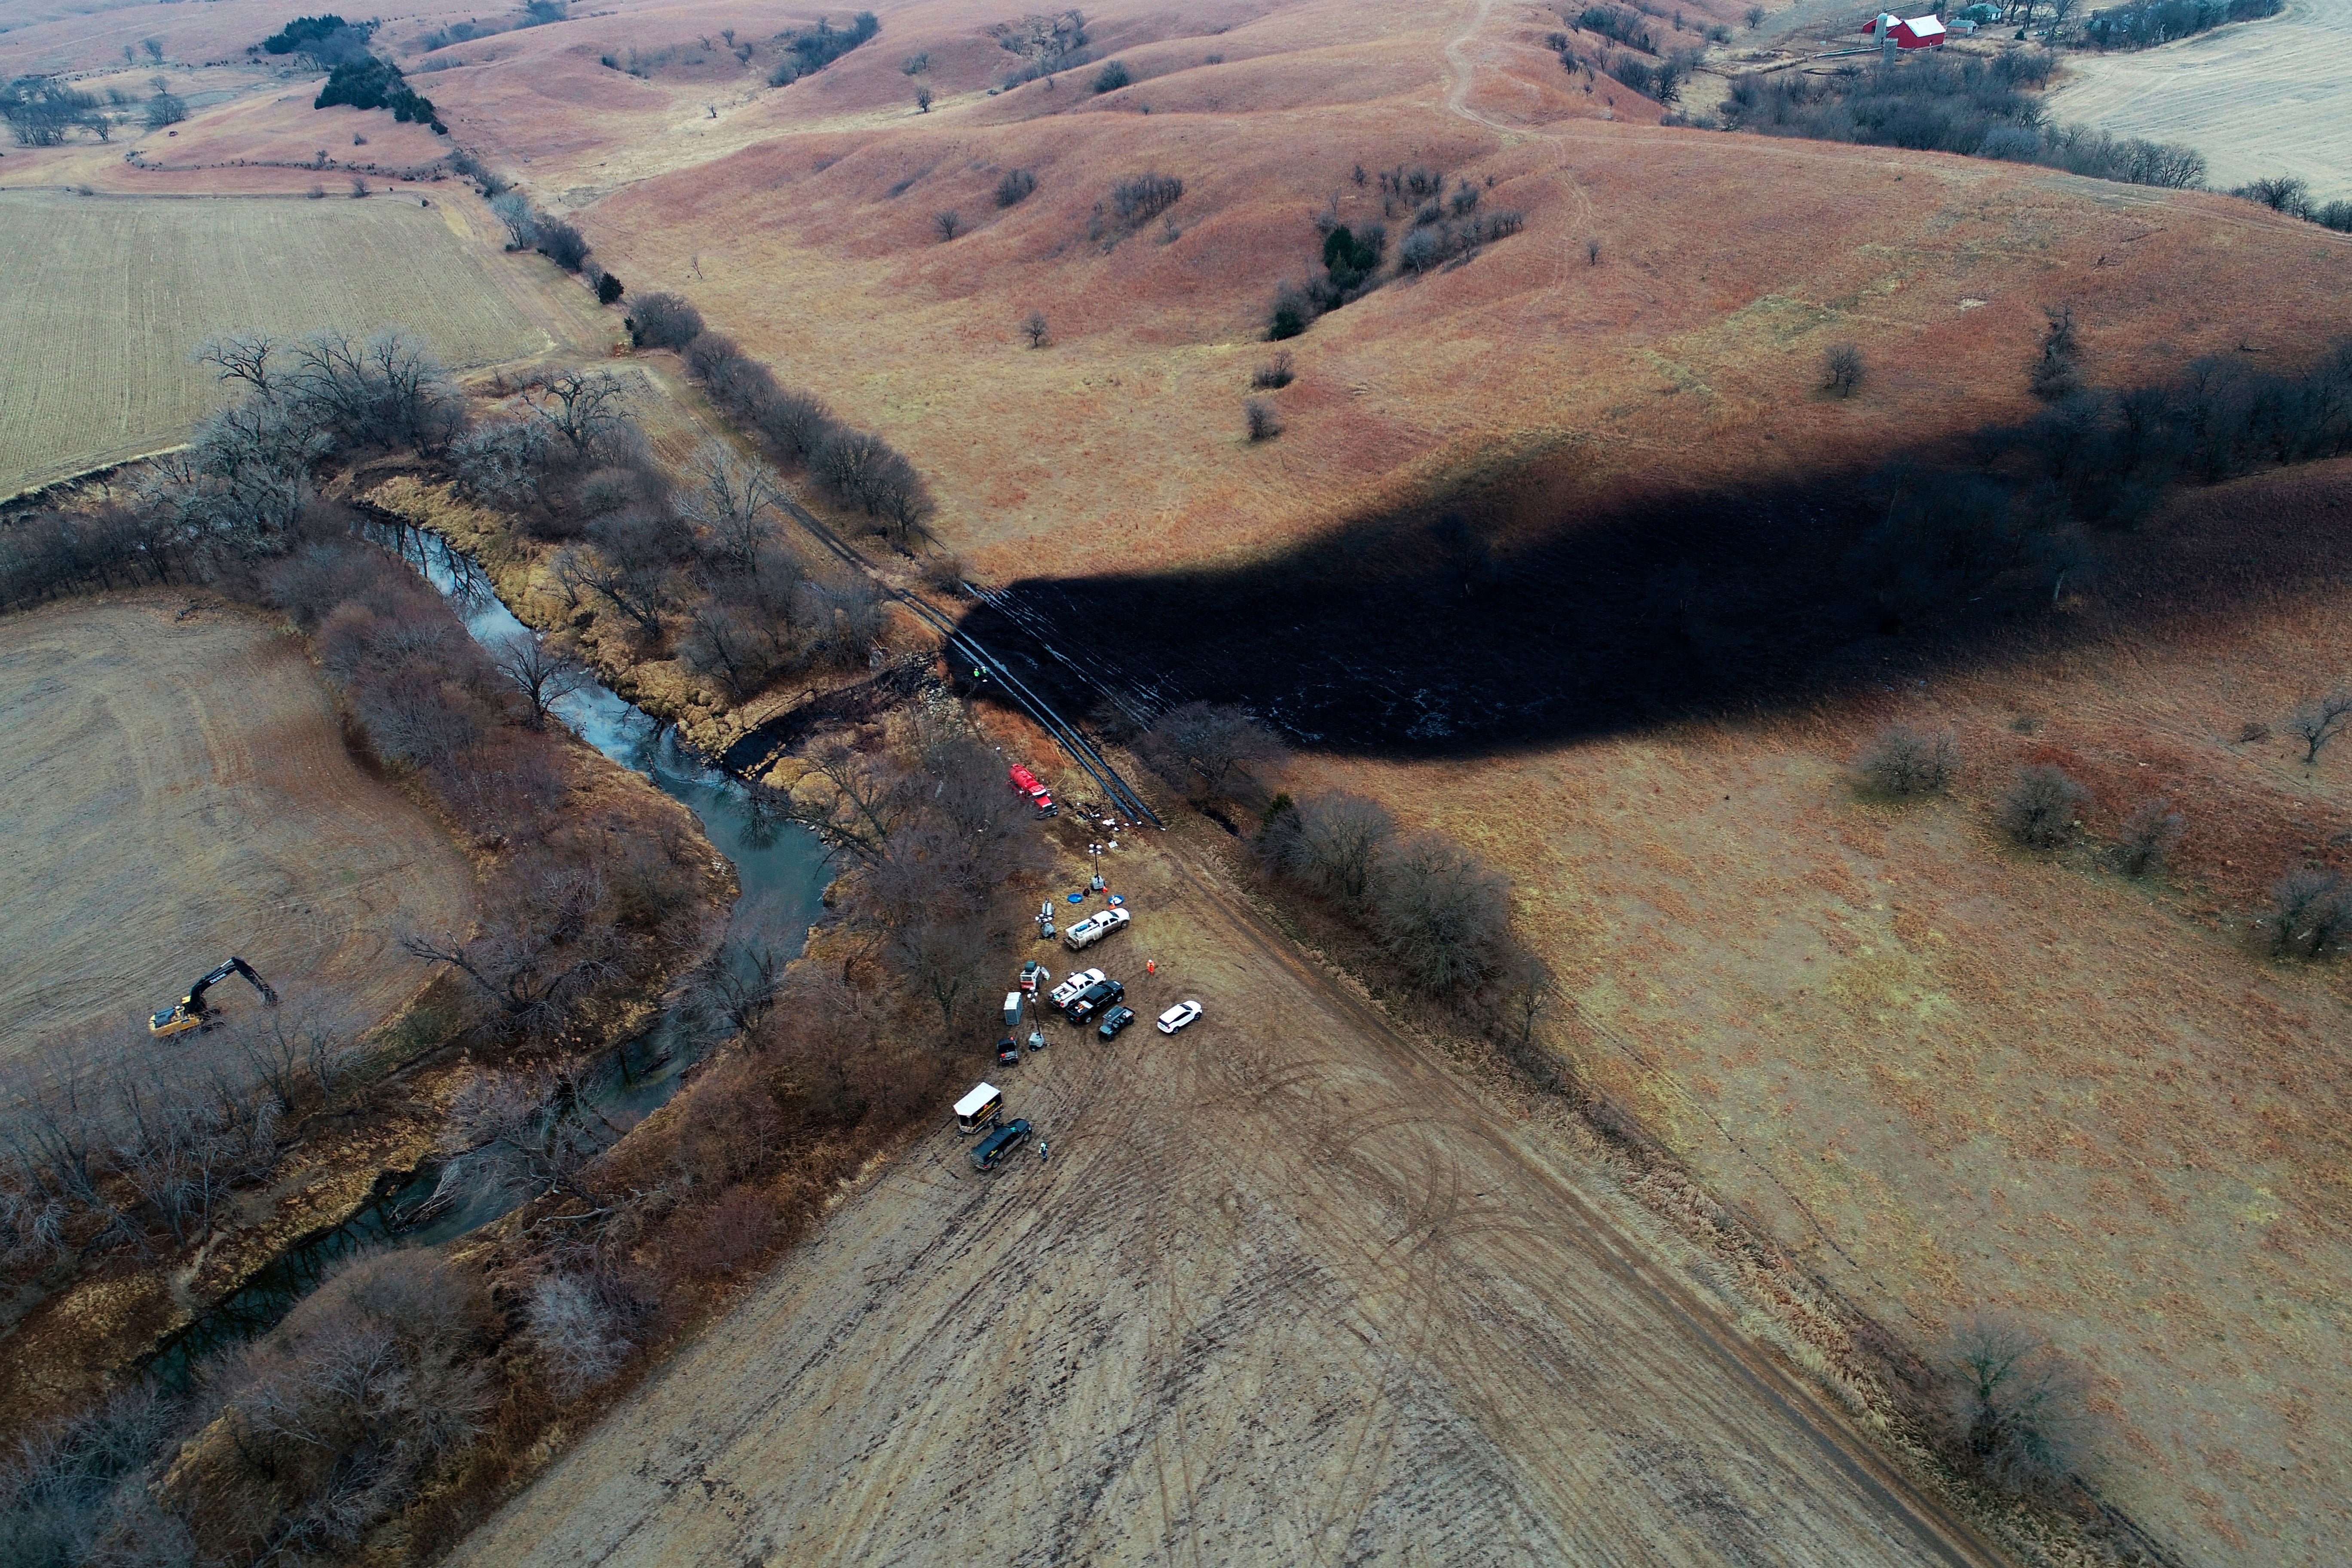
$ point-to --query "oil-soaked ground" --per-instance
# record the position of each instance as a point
(1420, 636)
(1436, 635)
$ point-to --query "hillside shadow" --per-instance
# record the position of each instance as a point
(1428, 635)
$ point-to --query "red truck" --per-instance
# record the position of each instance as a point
(1026, 783)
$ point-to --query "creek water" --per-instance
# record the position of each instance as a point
(781, 873)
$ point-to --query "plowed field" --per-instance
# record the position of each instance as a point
(1285, 1293)
(178, 791)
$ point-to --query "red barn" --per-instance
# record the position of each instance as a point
(1919, 33)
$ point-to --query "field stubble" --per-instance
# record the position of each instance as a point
(111, 294)
(180, 792)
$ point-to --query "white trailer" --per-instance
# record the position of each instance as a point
(980, 1108)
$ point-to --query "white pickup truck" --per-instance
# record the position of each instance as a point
(1094, 927)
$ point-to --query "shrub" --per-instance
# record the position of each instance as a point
(1264, 423)
(1111, 78)
(576, 1333)
(609, 289)
(2151, 832)
(1904, 759)
(1290, 314)
(1016, 186)
(663, 321)
(947, 224)
(561, 243)
(2038, 809)
(1275, 376)
(1140, 198)
(2311, 915)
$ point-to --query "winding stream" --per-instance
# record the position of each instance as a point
(781, 870)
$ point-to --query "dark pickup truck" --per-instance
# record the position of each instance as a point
(1093, 999)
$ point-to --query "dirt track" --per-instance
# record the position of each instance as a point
(178, 791)
(1286, 1294)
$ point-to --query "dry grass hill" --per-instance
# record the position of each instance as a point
(1947, 1074)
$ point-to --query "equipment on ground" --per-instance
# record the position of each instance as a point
(979, 1108)
(1008, 1050)
(190, 1012)
(1026, 783)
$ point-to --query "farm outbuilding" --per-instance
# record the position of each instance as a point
(1919, 33)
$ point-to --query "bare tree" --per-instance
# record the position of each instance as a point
(627, 570)
(2320, 721)
(545, 938)
(1441, 913)
(737, 501)
(240, 356)
(950, 959)
(328, 1423)
(585, 408)
(513, 209)
(1262, 423)
(528, 1133)
(2151, 832)
(1215, 747)
(1842, 370)
(2039, 807)
(385, 390)
(541, 673)
(1334, 845)
(923, 106)
(741, 651)
(1903, 759)
(575, 1333)
(2016, 1409)
(1034, 327)
(948, 223)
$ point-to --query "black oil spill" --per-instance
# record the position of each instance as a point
(1426, 634)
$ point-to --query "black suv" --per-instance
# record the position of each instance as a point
(1115, 1020)
(1086, 1003)
(998, 1143)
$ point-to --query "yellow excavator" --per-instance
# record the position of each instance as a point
(190, 1012)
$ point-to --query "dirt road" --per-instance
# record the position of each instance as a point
(1286, 1294)
(178, 791)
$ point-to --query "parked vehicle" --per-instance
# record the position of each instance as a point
(1093, 999)
(1026, 783)
(1032, 975)
(1013, 1000)
(998, 1143)
(1094, 927)
(980, 1109)
(1115, 1020)
(1069, 988)
(1179, 1016)
(1008, 1050)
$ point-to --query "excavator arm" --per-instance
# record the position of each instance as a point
(192, 1011)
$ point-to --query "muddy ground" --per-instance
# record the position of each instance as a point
(178, 791)
(1287, 1292)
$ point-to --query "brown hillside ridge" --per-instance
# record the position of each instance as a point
(1954, 1076)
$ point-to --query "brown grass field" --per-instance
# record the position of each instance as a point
(1949, 1076)
(113, 293)
(180, 791)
